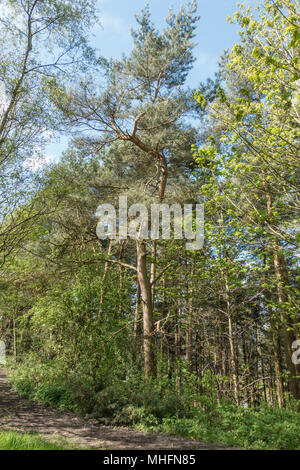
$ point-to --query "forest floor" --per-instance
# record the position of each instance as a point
(20, 414)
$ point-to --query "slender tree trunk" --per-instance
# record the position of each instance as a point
(188, 337)
(14, 338)
(146, 295)
(102, 286)
(121, 274)
(153, 269)
(136, 314)
(262, 365)
(178, 355)
(277, 364)
(233, 358)
(246, 362)
(221, 352)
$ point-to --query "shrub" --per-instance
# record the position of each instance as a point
(159, 405)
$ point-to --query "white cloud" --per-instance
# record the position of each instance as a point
(113, 24)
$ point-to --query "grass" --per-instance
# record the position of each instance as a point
(13, 440)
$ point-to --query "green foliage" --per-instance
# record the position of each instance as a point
(12, 440)
(161, 406)
(44, 384)
(269, 428)
(38, 40)
(222, 316)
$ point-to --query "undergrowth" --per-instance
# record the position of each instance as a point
(160, 406)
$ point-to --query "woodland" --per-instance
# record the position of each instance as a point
(144, 332)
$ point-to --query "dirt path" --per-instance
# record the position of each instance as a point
(24, 415)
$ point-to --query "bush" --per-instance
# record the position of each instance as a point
(269, 428)
(159, 406)
(54, 395)
(42, 383)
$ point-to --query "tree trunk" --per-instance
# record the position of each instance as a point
(282, 279)
(188, 337)
(102, 287)
(147, 305)
(136, 314)
(178, 355)
(289, 327)
(233, 358)
(277, 364)
(14, 338)
(153, 269)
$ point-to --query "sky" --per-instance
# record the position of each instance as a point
(214, 34)
(111, 36)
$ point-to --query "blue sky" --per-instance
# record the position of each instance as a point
(116, 18)
(214, 34)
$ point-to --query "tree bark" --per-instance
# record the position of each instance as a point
(289, 327)
(233, 358)
(282, 280)
(102, 286)
(147, 306)
(188, 337)
(277, 364)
